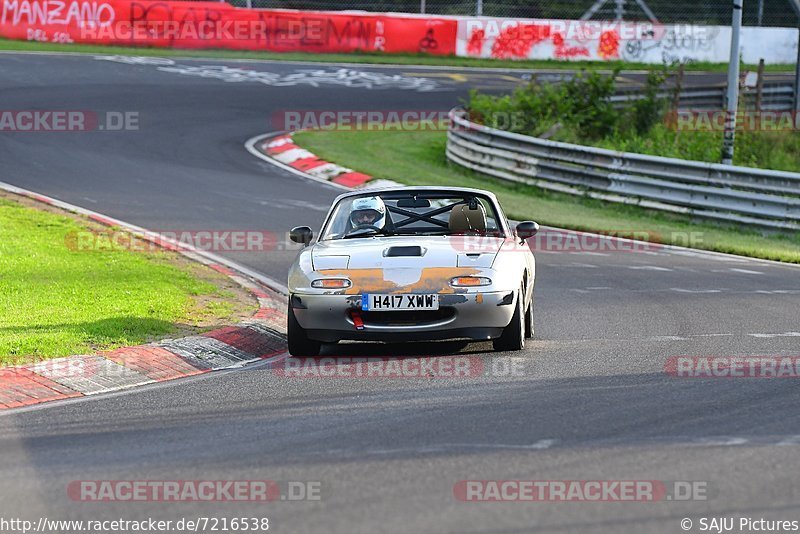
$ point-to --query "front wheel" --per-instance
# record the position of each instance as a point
(513, 336)
(529, 329)
(299, 343)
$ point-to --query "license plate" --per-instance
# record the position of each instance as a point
(372, 302)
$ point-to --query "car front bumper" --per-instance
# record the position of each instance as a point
(477, 316)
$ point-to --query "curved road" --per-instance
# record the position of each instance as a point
(589, 401)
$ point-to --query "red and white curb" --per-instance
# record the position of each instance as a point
(258, 338)
(282, 151)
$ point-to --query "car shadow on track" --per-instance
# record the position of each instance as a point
(421, 348)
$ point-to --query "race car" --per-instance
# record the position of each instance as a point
(412, 264)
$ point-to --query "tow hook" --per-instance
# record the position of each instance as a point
(358, 322)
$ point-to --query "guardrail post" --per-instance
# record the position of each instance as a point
(676, 101)
(760, 84)
(729, 137)
(797, 74)
(796, 6)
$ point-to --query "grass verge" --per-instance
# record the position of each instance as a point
(418, 158)
(362, 57)
(58, 300)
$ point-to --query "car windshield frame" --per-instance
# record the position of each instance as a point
(459, 197)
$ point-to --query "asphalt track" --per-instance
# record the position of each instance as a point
(591, 400)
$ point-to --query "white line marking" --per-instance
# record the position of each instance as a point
(540, 445)
(721, 441)
(700, 291)
(785, 334)
(647, 268)
(544, 444)
(791, 440)
(745, 271)
(651, 253)
(589, 253)
(579, 265)
(453, 68)
(677, 249)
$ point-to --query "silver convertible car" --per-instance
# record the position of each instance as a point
(411, 264)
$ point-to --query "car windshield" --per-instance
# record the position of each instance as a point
(412, 213)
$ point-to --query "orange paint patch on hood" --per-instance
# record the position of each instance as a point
(430, 280)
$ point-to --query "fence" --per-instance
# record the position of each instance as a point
(756, 12)
(764, 198)
(199, 25)
(775, 95)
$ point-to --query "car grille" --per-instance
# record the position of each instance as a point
(407, 317)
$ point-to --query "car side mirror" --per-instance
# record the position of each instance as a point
(527, 229)
(301, 234)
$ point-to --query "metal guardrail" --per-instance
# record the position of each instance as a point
(776, 95)
(701, 98)
(759, 197)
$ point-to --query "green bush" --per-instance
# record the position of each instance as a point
(582, 104)
(644, 114)
(579, 111)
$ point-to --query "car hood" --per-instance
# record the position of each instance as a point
(406, 252)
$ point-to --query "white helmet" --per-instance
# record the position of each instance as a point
(368, 211)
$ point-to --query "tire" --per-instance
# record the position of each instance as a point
(299, 344)
(529, 325)
(513, 336)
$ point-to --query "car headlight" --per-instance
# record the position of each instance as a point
(331, 283)
(470, 281)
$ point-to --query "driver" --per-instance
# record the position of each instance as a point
(368, 212)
